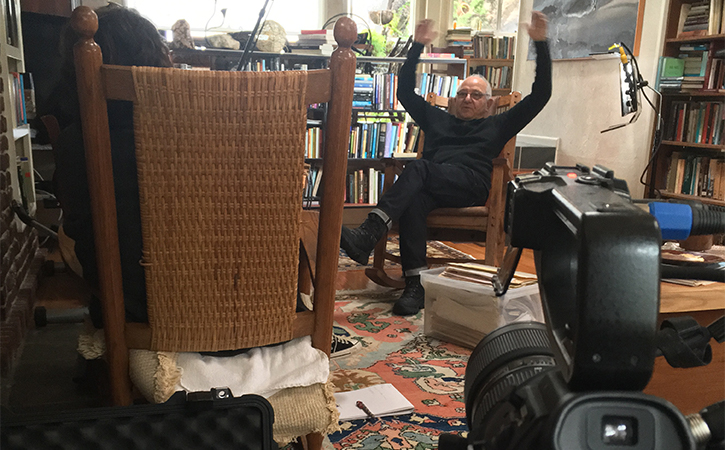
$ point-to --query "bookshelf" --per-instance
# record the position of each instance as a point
(493, 57)
(690, 162)
(15, 121)
(493, 70)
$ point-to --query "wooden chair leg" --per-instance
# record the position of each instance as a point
(313, 441)
(377, 273)
(304, 278)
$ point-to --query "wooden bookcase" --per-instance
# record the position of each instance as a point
(22, 178)
(496, 53)
(22, 257)
(473, 63)
(663, 179)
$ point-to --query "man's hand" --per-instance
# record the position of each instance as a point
(538, 27)
(424, 32)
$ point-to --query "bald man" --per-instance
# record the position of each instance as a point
(456, 165)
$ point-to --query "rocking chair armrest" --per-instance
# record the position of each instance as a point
(503, 164)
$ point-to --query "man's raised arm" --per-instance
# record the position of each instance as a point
(415, 104)
(524, 112)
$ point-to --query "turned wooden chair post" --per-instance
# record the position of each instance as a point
(97, 142)
(334, 166)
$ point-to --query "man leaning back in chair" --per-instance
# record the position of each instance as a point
(456, 164)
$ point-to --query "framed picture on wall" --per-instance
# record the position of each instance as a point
(579, 28)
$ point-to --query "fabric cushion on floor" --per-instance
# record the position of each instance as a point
(302, 399)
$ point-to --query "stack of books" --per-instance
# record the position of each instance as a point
(701, 18)
(697, 19)
(670, 74)
(695, 57)
(362, 96)
(461, 37)
(314, 42)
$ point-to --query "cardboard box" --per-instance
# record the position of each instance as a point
(464, 313)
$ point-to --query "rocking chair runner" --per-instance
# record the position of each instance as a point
(476, 223)
(220, 156)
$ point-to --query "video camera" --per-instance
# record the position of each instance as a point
(575, 382)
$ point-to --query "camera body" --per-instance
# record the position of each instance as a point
(598, 263)
(575, 382)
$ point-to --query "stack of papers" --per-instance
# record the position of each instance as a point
(381, 399)
(482, 274)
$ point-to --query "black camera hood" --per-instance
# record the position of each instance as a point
(598, 262)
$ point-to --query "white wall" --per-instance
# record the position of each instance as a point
(94, 4)
(585, 100)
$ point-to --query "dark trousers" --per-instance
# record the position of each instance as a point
(422, 187)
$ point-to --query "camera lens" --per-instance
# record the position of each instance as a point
(504, 359)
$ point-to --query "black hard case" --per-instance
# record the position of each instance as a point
(207, 420)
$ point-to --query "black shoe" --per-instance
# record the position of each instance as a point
(359, 242)
(413, 298)
(343, 346)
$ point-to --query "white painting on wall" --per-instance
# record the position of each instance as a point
(578, 28)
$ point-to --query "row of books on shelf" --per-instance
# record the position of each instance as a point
(442, 85)
(377, 92)
(312, 184)
(696, 122)
(265, 64)
(701, 176)
(383, 139)
(481, 44)
(493, 47)
(698, 67)
(17, 92)
(374, 138)
(701, 18)
(364, 186)
(313, 142)
(500, 77)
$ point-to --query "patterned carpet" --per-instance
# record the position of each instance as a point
(435, 249)
(428, 372)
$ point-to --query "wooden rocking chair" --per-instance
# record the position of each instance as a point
(472, 224)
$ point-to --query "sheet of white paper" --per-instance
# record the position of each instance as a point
(381, 399)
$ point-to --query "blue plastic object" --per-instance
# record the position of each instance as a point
(675, 219)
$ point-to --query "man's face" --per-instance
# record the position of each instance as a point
(471, 99)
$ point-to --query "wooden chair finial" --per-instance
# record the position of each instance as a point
(345, 32)
(84, 22)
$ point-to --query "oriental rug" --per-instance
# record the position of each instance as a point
(428, 372)
(434, 249)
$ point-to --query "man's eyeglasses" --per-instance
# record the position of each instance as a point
(476, 95)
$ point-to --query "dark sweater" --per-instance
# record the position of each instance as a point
(471, 143)
(77, 224)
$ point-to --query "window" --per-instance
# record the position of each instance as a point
(230, 15)
(487, 15)
(390, 20)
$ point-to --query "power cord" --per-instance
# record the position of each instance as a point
(641, 83)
